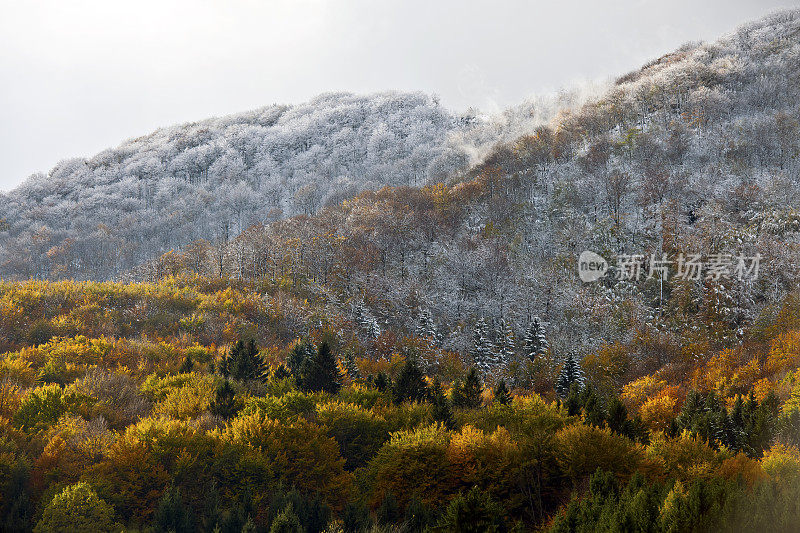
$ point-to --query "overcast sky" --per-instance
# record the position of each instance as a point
(80, 76)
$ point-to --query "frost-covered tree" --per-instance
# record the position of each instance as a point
(426, 328)
(535, 342)
(506, 344)
(571, 374)
(482, 348)
(224, 174)
(368, 323)
(350, 365)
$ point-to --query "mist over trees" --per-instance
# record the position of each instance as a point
(697, 152)
(97, 217)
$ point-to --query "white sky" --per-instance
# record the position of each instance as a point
(82, 75)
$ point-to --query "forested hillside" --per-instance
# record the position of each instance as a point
(413, 349)
(192, 404)
(96, 217)
(696, 153)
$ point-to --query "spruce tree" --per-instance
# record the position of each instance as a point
(281, 372)
(244, 362)
(389, 510)
(475, 512)
(571, 373)
(535, 342)
(187, 365)
(211, 514)
(374, 329)
(501, 394)
(441, 406)
(367, 322)
(172, 515)
(235, 519)
(287, 521)
(16, 509)
(382, 382)
(410, 385)
(321, 373)
(618, 417)
(468, 394)
(506, 346)
(224, 403)
(300, 352)
(356, 518)
(592, 408)
(249, 526)
(350, 366)
(574, 401)
(483, 349)
(427, 328)
(417, 517)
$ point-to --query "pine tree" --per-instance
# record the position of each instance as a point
(244, 362)
(501, 394)
(571, 373)
(506, 346)
(468, 394)
(321, 373)
(410, 385)
(427, 328)
(441, 406)
(187, 365)
(350, 366)
(224, 403)
(483, 350)
(535, 343)
(382, 382)
(287, 521)
(389, 510)
(172, 515)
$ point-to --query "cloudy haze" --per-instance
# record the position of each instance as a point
(81, 76)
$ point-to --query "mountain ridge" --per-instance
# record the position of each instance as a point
(699, 154)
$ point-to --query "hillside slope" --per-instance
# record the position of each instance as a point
(696, 153)
(96, 217)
